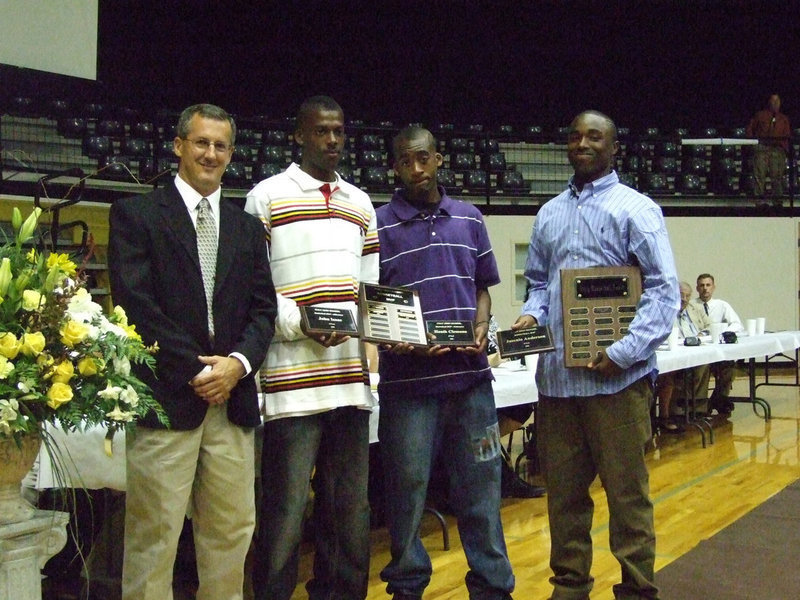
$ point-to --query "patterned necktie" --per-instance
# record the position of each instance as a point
(705, 306)
(207, 250)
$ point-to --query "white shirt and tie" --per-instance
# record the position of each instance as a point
(719, 311)
(205, 214)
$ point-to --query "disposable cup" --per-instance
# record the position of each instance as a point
(751, 326)
(761, 322)
(716, 332)
(672, 340)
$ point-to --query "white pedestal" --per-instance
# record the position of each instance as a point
(25, 547)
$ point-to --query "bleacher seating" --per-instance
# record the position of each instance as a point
(476, 181)
(264, 170)
(447, 178)
(375, 178)
(689, 183)
(462, 162)
(506, 160)
(511, 182)
(235, 175)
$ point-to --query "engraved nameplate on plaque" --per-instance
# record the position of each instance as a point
(326, 319)
(451, 333)
(598, 305)
(520, 342)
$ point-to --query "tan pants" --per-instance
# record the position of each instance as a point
(207, 473)
(769, 160)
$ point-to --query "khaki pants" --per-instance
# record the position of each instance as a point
(769, 160)
(581, 438)
(207, 473)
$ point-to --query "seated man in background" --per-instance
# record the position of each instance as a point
(684, 383)
(718, 311)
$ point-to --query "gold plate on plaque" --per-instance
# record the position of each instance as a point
(598, 305)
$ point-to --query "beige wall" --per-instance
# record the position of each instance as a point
(754, 262)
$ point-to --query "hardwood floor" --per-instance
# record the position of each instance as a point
(696, 492)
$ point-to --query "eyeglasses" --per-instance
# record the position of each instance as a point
(203, 145)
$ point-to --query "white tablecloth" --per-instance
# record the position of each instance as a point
(767, 344)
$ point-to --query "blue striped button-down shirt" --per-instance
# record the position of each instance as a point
(606, 224)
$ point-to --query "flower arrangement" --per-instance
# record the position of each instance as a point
(61, 358)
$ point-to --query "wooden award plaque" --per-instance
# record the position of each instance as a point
(598, 305)
(391, 315)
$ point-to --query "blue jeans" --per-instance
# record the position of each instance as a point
(337, 443)
(463, 426)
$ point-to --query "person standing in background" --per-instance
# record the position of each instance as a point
(772, 129)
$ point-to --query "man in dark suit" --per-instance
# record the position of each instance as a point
(192, 271)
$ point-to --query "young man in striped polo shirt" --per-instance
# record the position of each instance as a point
(439, 399)
(322, 237)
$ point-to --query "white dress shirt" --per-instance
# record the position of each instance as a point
(720, 311)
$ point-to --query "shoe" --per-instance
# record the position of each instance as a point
(725, 408)
(512, 486)
(522, 489)
(667, 426)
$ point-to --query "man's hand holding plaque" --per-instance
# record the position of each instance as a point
(462, 336)
(526, 336)
(328, 326)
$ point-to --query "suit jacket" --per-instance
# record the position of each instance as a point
(699, 319)
(155, 276)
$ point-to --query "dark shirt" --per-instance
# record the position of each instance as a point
(446, 255)
(771, 129)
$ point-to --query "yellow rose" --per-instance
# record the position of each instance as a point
(121, 315)
(32, 343)
(63, 372)
(58, 394)
(130, 331)
(88, 367)
(73, 333)
(32, 300)
(9, 345)
(6, 366)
